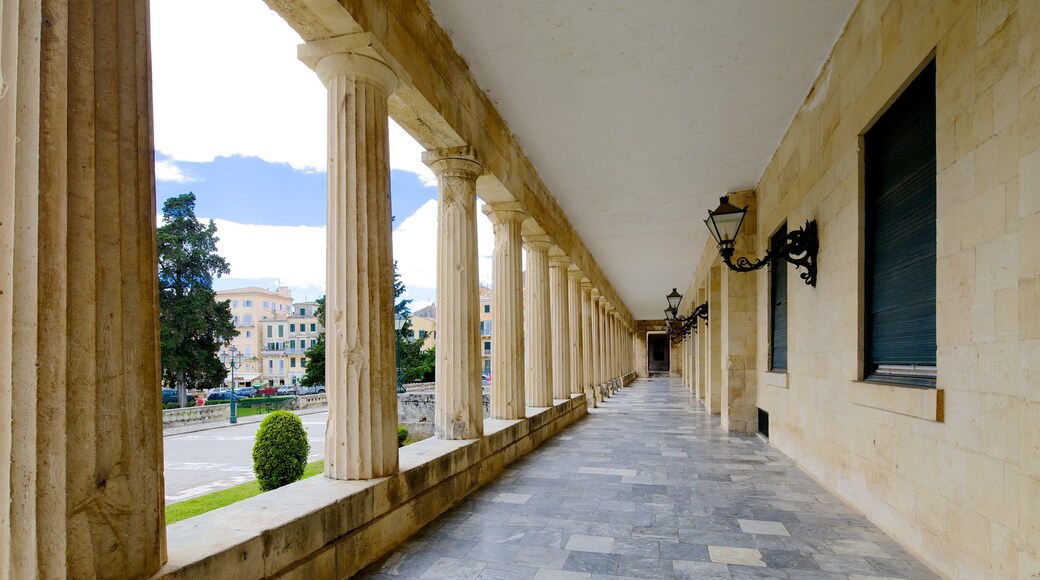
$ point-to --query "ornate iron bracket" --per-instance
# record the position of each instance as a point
(800, 248)
(687, 324)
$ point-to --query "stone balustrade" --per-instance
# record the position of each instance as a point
(195, 415)
(311, 401)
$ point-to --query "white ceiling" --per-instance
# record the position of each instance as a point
(639, 114)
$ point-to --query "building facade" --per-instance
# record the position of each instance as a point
(250, 306)
(284, 344)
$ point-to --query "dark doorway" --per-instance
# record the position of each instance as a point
(657, 351)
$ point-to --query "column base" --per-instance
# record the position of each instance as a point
(590, 398)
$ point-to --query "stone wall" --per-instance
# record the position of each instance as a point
(952, 473)
(415, 412)
(324, 528)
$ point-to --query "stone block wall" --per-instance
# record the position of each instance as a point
(952, 473)
(415, 412)
(324, 528)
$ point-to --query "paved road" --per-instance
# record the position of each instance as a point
(205, 461)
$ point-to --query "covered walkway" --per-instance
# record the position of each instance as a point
(650, 486)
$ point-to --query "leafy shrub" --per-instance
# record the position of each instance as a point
(402, 435)
(280, 451)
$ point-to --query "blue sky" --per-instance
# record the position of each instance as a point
(251, 190)
(241, 122)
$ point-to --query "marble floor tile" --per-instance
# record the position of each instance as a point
(583, 543)
(649, 486)
(729, 555)
(763, 527)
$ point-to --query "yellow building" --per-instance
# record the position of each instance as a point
(284, 343)
(485, 329)
(250, 306)
(424, 326)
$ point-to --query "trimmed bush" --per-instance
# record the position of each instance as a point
(280, 451)
(402, 435)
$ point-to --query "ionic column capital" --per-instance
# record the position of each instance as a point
(453, 161)
(596, 295)
(339, 56)
(557, 258)
(586, 284)
(573, 273)
(537, 243)
(504, 212)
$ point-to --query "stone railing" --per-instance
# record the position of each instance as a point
(195, 415)
(309, 401)
(323, 528)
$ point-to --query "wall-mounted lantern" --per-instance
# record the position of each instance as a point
(800, 246)
(680, 326)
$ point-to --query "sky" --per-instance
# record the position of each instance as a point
(241, 123)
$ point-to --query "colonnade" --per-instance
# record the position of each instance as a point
(81, 477)
(556, 336)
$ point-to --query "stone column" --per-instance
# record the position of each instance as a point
(507, 312)
(537, 332)
(640, 358)
(574, 330)
(608, 344)
(588, 356)
(713, 343)
(674, 359)
(687, 367)
(80, 422)
(602, 332)
(360, 375)
(617, 347)
(702, 350)
(597, 342)
(737, 315)
(560, 316)
(459, 408)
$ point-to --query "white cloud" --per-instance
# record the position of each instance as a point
(226, 82)
(295, 255)
(166, 170)
(415, 247)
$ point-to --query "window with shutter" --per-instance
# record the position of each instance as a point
(778, 303)
(899, 164)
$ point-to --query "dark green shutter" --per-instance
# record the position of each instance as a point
(900, 234)
(778, 303)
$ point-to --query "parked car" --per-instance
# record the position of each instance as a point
(219, 395)
(223, 394)
(266, 391)
(287, 390)
(315, 390)
(169, 396)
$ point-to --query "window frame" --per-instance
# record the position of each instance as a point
(917, 376)
(778, 264)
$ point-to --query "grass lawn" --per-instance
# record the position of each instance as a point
(190, 508)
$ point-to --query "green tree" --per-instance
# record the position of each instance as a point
(193, 325)
(314, 374)
(416, 364)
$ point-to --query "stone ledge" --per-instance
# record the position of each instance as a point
(775, 379)
(922, 403)
(319, 528)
